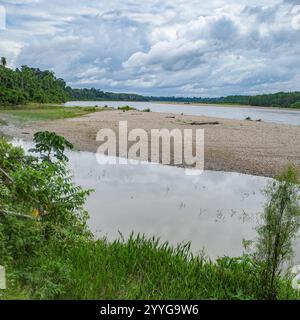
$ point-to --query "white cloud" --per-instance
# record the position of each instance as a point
(159, 47)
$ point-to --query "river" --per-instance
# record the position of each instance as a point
(215, 211)
(228, 112)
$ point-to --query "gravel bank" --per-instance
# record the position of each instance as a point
(230, 145)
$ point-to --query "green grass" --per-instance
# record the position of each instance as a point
(146, 269)
(35, 112)
(141, 268)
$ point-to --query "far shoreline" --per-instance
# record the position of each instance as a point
(245, 106)
(192, 104)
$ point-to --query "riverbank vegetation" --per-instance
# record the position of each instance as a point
(99, 95)
(126, 108)
(28, 84)
(277, 100)
(36, 112)
(49, 252)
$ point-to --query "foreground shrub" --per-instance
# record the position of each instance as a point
(40, 207)
(49, 252)
(281, 222)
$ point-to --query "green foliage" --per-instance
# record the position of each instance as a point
(296, 105)
(40, 207)
(3, 61)
(12, 96)
(141, 268)
(281, 222)
(96, 94)
(48, 143)
(30, 85)
(37, 112)
(280, 99)
(146, 110)
(33, 85)
(126, 108)
(49, 252)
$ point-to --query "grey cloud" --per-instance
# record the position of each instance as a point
(293, 1)
(159, 47)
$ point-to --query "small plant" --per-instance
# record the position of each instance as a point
(126, 108)
(146, 110)
(248, 118)
(49, 143)
(281, 222)
(91, 109)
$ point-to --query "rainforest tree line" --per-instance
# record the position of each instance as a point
(280, 99)
(30, 85)
(96, 94)
(26, 84)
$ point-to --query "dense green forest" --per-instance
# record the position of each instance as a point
(27, 84)
(280, 99)
(96, 94)
(30, 85)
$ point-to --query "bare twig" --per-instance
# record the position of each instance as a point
(17, 215)
(6, 175)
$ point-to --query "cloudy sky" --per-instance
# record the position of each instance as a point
(159, 47)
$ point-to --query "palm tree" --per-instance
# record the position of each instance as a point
(3, 61)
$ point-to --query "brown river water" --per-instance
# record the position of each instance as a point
(214, 210)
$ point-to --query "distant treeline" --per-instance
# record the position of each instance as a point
(280, 99)
(27, 84)
(96, 94)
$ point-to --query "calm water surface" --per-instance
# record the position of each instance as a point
(239, 113)
(215, 210)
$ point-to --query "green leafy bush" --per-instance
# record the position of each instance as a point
(40, 208)
(281, 222)
(126, 108)
(49, 253)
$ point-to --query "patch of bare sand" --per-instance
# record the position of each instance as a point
(242, 146)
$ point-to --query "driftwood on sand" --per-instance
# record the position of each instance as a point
(197, 123)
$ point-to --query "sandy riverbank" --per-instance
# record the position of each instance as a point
(243, 146)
